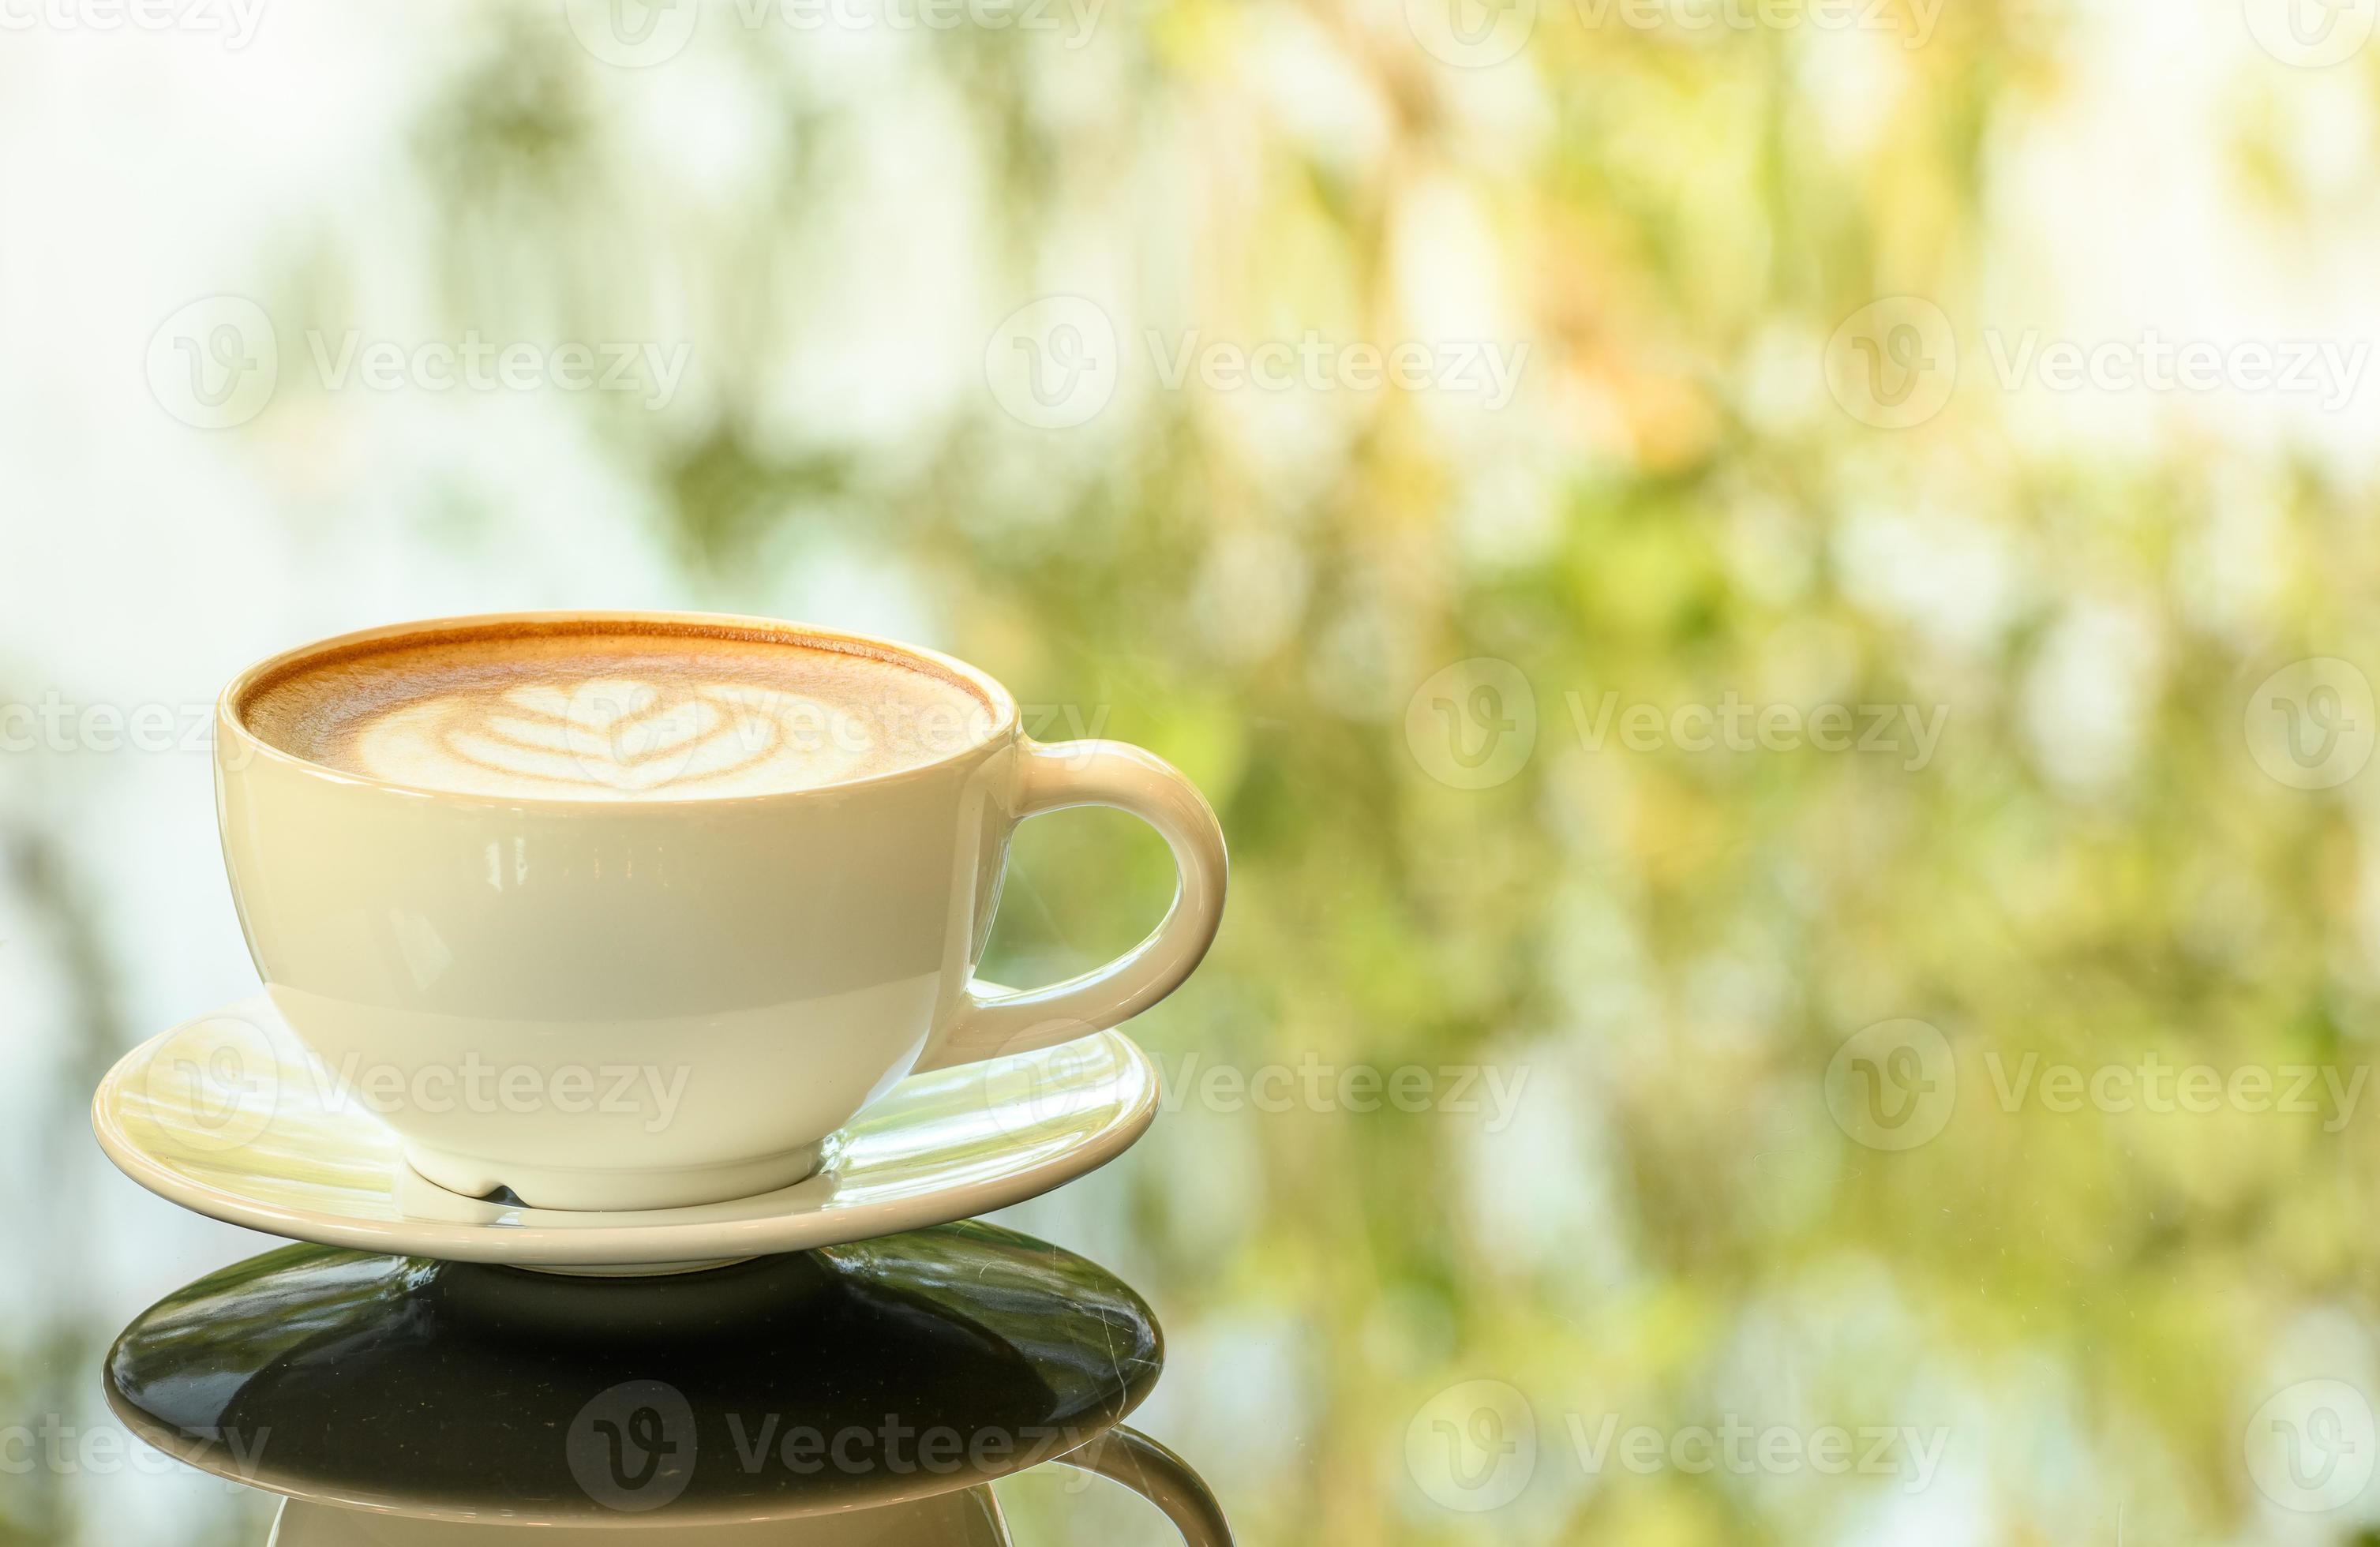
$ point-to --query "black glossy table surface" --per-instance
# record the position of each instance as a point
(845, 1378)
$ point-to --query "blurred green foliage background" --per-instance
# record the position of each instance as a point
(1690, 496)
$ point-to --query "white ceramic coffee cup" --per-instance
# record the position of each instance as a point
(633, 1004)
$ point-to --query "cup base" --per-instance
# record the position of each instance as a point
(588, 1190)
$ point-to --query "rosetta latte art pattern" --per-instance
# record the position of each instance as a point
(616, 737)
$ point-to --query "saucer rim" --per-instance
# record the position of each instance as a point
(627, 1247)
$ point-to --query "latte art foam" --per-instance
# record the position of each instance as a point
(630, 736)
(614, 715)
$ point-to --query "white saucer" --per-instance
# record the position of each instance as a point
(286, 1155)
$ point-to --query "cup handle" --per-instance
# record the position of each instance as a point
(1053, 778)
(1130, 1457)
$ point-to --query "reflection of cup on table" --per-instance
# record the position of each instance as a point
(843, 1384)
(634, 910)
(970, 1517)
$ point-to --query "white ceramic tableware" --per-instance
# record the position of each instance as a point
(646, 1003)
(228, 1115)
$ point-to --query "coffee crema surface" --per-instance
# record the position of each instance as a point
(588, 712)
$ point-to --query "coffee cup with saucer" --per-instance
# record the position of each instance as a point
(635, 912)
